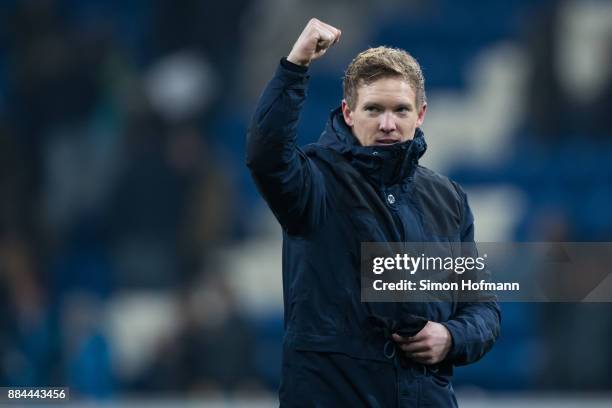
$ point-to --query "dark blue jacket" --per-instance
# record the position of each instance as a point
(329, 197)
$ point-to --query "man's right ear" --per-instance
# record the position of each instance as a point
(347, 113)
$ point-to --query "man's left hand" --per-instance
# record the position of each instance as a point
(429, 346)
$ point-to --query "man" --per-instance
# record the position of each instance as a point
(360, 183)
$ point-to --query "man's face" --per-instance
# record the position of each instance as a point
(385, 112)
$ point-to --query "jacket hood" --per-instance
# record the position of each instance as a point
(384, 165)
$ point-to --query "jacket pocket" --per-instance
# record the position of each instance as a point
(437, 391)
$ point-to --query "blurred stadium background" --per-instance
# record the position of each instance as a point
(139, 265)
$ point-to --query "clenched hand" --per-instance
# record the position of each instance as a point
(429, 346)
(315, 40)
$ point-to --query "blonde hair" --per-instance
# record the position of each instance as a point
(382, 62)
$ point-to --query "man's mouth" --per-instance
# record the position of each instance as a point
(386, 141)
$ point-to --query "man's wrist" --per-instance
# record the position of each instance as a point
(452, 350)
(449, 341)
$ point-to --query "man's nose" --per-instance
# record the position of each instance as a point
(387, 123)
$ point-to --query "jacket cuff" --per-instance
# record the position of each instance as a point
(458, 347)
(291, 76)
(293, 67)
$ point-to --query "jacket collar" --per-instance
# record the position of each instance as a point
(383, 165)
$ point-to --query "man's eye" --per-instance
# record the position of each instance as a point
(403, 109)
(371, 109)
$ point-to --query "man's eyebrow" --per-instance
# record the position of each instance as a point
(403, 105)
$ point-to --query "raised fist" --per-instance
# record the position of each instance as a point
(315, 39)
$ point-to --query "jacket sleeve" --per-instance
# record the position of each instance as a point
(475, 326)
(288, 180)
